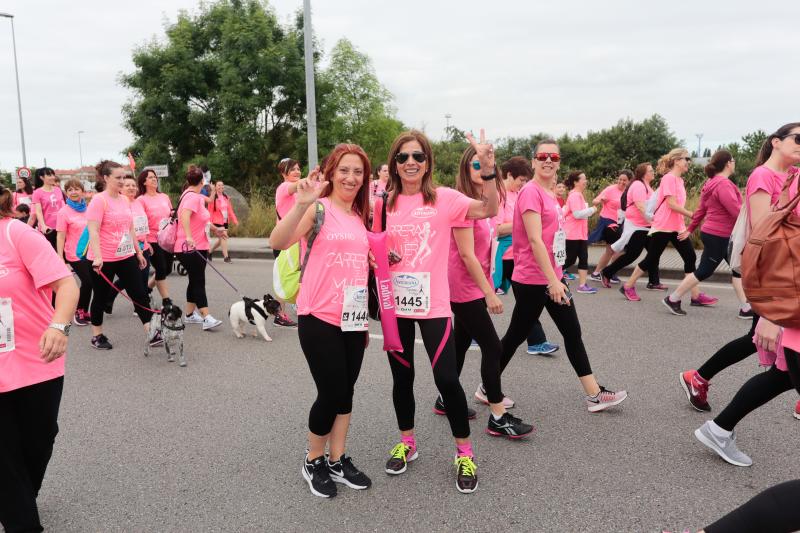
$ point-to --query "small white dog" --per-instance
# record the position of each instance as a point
(255, 312)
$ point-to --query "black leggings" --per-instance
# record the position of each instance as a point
(129, 274)
(638, 242)
(773, 510)
(83, 269)
(52, 238)
(438, 340)
(715, 249)
(195, 266)
(577, 250)
(144, 277)
(730, 354)
(334, 358)
(658, 243)
(161, 261)
(472, 321)
(530, 301)
(536, 335)
(756, 391)
(28, 429)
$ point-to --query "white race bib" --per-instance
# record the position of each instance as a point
(26, 200)
(6, 325)
(163, 223)
(412, 293)
(560, 247)
(225, 216)
(125, 246)
(355, 309)
(140, 226)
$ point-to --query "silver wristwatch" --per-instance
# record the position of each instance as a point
(63, 328)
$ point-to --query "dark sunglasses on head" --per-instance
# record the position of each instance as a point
(402, 157)
(542, 157)
(795, 135)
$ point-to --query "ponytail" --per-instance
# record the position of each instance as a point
(717, 163)
(766, 148)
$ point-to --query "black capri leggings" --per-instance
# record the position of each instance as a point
(161, 261)
(129, 275)
(83, 269)
(659, 241)
(195, 266)
(536, 335)
(530, 301)
(472, 321)
(715, 249)
(438, 340)
(577, 250)
(637, 243)
(774, 510)
(334, 358)
(736, 350)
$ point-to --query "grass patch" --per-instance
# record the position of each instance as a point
(260, 222)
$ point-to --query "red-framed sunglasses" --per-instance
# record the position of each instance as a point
(542, 157)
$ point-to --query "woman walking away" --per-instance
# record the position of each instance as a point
(539, 252)
(191, 248)
(472, 299)
(419, 222)
(634, 238)
(332, 341)
(608, 227)
(33, 341)
(576, 227)
(222, 214)
(70, 225)
(112, 251)
(668, 224)
(158, 207)
(720, 202)
(47, 201)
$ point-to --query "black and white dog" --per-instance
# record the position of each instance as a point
(255, 312)
(170, 324)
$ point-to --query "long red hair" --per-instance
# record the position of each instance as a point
(361, 201)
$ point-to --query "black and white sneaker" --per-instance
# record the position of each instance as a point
(157, 339)
(508, 426)
(674, 307)
(100, 342)
(438, 408)
(345, 472)
(318, 476)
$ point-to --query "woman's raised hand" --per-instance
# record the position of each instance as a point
(484, 151)
(310, 188)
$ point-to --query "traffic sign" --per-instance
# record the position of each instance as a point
(162, 171)
(24, 172)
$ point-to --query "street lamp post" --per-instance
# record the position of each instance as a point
(699, 143)
(311, 105)
(19, 99)
(80, 148)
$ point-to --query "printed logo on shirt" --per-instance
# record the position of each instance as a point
(347, 260)
(415, 247)
(424, 212)
(3, 271)
(406, 282)
(339, 236)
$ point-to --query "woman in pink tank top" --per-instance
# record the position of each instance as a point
(331, 305)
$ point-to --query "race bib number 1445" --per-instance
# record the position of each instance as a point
(412, 293)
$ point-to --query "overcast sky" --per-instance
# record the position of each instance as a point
(718, 67)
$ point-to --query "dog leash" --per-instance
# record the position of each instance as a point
(125, 295)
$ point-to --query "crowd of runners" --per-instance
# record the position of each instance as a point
(509, 226)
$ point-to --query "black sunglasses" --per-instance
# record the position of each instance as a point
(402, 157)
(795, 135)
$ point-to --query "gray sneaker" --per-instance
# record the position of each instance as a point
(725, 447)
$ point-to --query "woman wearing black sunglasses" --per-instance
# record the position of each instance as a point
(419, 221)
(539, 243)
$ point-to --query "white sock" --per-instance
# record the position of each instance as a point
(497, 418)
(718, 431)
(745, 307)
(674, 299)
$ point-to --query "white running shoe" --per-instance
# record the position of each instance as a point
(194, 318)
(480, 395)
(209, 322)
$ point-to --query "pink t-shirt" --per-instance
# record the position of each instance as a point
(507, 210)
(765, 179)
(639, 191)
(20, 197)
(72, 223)
(116, 221)
(533, 198)
(27, 265)
(284, 201)
(420, 235)
(665, 219)
(222, 211)
(375, 187)
(462, 287)
(200, 217)
(140, 223)
(577, 229)
(158, 209)
(338, 259)
(51, 203)
(612, 194)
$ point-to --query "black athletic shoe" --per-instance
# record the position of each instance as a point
(438, 408)
(345, 472)
(318, 476)
(109, 310)
(284, 321)
(508, 426)
(399, 458)
(674, 307)
(157, 339)
(466, 477)
(100, 342)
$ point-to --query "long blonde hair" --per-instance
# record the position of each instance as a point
(668, 161)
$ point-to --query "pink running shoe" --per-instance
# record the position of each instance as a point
(629, 293)
(704, 300)
(797, 410)
(605, 399)
(696, 389)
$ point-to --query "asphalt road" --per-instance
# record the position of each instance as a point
(218, 446)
